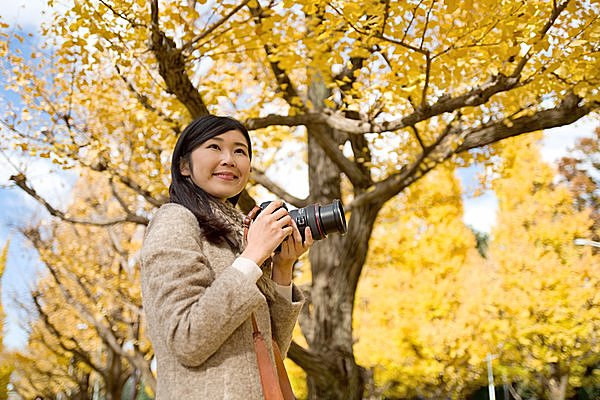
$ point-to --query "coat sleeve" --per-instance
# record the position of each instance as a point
(284, 316)
(194, 312)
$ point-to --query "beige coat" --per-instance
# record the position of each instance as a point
(198, 311)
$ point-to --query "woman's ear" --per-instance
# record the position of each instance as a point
(184, 167)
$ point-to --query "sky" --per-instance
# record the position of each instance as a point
(18, 209)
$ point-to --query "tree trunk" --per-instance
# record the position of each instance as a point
(557, 387)
(113, 384)
(336, 263)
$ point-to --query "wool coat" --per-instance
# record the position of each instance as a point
(198, 309)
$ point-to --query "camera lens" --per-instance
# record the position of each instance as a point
(321, 220)
(332, 217)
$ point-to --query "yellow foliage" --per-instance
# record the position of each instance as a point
(548, 299)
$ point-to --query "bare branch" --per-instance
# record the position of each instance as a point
(317, 367)
(145, 102)
(212, 28)
(263, 180)
(21, 181)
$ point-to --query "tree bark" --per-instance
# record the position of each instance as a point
(336, 264)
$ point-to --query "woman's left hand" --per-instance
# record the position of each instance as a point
(291, 249)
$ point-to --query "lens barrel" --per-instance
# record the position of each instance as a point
(322, 220)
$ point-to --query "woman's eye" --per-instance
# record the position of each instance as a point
(241, 151)
(213, 146)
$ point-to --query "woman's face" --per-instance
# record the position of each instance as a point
(221, 165)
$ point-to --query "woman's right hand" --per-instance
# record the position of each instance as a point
(267, 231)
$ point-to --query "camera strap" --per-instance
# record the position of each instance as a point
(248, 220)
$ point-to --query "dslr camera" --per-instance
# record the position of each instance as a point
(321, 220)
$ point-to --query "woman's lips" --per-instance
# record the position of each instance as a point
(225, 176)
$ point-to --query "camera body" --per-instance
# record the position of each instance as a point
(321, 220)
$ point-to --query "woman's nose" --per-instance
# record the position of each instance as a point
(228, 159)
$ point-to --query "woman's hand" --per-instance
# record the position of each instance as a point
(291, 249)
(272, 226)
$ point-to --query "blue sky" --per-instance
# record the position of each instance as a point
(17, 209)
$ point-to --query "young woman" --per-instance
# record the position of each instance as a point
(201, 281)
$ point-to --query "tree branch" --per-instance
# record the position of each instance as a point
(290, 94)
(171, 66)
(348, 167)
(21, 181)
(214, 26)
(474, 97)
(555, 13)
(263, 180)
(315, 366)
(145, 102)
(567, 112)
(284, 120)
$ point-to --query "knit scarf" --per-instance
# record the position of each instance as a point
(235, 218)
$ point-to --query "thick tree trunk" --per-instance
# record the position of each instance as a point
(336, 263)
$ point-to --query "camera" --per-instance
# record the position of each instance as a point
(321, 220)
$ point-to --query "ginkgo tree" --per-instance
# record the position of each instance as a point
(372, 94)
(87, 338)
(548, 308)
(421, 303)
(6, 366)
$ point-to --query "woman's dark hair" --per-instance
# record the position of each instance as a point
(183, 190)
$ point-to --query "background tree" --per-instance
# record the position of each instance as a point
(547, 303)
(6, 366)
(579, 172)
(374, 95)
(88, 338)
(424, 290)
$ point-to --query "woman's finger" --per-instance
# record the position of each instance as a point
(308, 239)
(297, 236)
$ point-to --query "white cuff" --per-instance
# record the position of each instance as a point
(247, 267)
(285, 291)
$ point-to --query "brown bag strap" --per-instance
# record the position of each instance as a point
(269, 379)
(275, 385)
(274, 379)
(284, 380)
(249, 218)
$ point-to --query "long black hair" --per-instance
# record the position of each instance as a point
(183, 190)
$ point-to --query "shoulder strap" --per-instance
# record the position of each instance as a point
(269, 378)
(275, 381)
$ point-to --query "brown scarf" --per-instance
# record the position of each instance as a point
(235, 219)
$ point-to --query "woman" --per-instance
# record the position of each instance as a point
(201, 281)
